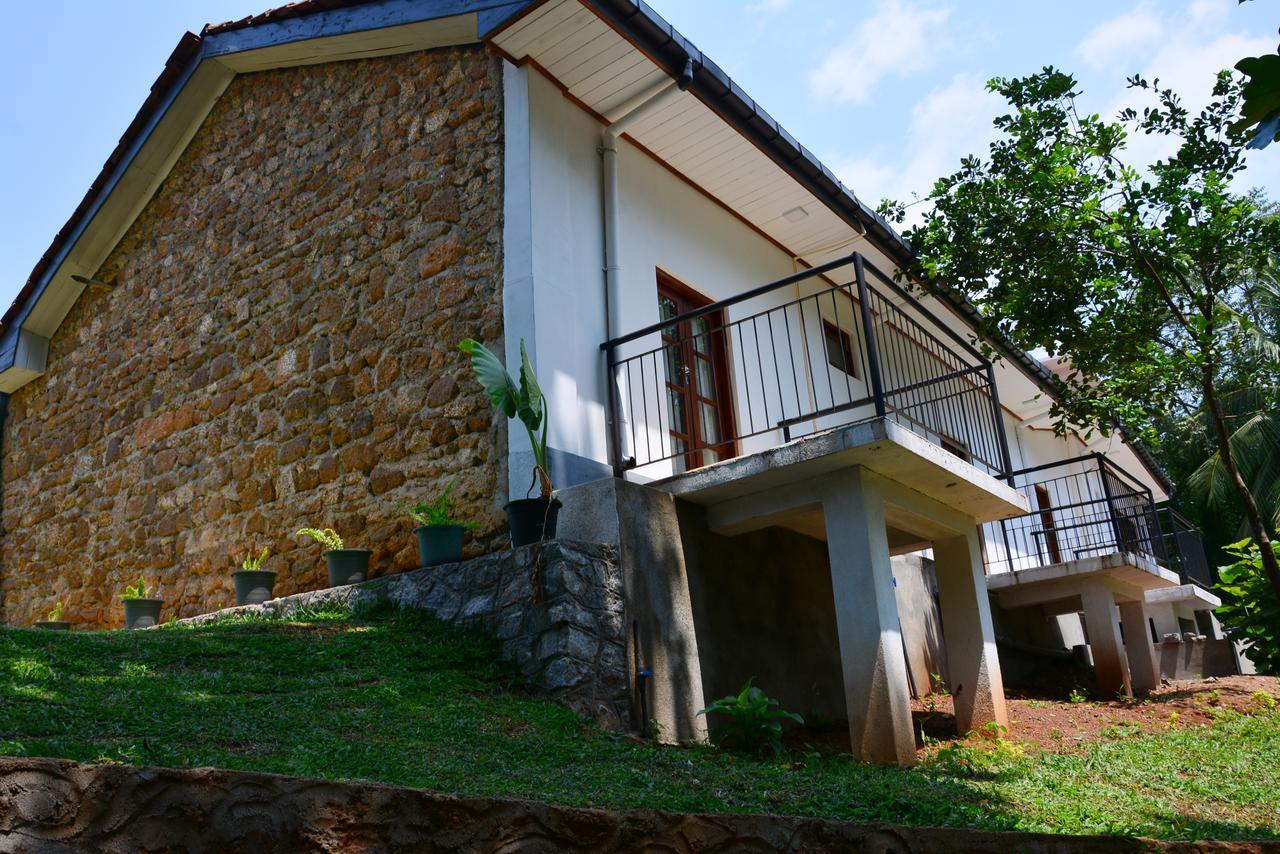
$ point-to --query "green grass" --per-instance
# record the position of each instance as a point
(401, 699)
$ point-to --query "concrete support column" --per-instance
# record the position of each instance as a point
(1109, 660)
(1144, 668)
(876, 689)
(968, 633)
(1166, 619)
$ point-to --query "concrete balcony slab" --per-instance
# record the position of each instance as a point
(1130, 576)
(1193, 596)
(881, 446)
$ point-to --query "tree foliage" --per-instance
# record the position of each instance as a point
(1249, 607)
(1137, 275)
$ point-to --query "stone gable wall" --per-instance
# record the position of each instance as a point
(280, 349)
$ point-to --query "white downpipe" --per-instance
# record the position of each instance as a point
(635, 110)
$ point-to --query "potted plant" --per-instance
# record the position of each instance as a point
(346, 566)
(532, 520)
(141, 611)
(53, 620)
(439, 533)
(253, 583)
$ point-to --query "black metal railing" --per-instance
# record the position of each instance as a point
(717, 385)
(1184, 548)
(1086, 507)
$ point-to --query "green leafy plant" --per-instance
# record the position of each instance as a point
(326, 537)
(523, 400)
(1076, 696)
(1249, 610)
(439, 512)
(55, 615)
(140, 590)
(753, 721)
(254, 564)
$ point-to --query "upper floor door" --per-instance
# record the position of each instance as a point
(699, 400)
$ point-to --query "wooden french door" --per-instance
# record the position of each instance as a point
(700, 426)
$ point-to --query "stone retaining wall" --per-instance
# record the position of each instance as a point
(49, 805)
(556, 609)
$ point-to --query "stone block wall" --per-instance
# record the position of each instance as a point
(279, 349)
(56, 805)
(556, 609)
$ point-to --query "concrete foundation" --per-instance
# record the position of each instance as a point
(643, 525)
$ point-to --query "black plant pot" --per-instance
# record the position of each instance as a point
(347, 566)
(532, 520)
(439, 544)
(54, 625)
(253, 586)
(142, 613)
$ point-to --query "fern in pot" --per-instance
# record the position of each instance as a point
(346, 566)
(53, 620)
(254, 585)
(141, 609)
(439, 533)
(531, 520)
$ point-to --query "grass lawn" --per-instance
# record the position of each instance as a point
(402, 699)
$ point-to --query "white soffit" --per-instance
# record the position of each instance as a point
(604, 71)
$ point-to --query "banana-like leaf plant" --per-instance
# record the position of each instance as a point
(523, 399)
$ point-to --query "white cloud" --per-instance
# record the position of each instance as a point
(1189, 58)
(945, 125)
(898, 39)
(1119, 38)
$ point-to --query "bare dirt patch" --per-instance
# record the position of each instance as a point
(1060, 725)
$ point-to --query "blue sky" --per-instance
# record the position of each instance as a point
(888, 92)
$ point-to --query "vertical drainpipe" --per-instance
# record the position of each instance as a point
(637, 109)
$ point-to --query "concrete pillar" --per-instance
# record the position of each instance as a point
(973, 663)
(1166, 619)
(876, 690)
(1109, 661)
(1144, 668)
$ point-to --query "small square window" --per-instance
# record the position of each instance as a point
(839, 349)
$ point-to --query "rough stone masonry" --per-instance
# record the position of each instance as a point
(279, 349)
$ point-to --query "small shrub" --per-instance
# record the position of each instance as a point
(754, 723)
(326, 537)
(140, 590)
(1259, 701)
(1076, 696)
(1173, 720)
(254, 564)
(56, 615)
(438, 512)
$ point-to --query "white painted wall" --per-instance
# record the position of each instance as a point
(554, 292)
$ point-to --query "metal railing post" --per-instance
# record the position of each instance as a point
(869, 335)
(614, 426)
(1001, 436)
(1111, 504)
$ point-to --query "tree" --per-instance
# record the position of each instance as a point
(1251, 409)
(1261, 107)
(1139, 277)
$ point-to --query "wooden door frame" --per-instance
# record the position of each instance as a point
(721, 367)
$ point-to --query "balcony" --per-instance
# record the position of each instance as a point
(801, 358)
(1088, 507)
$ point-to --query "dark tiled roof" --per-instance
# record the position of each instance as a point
(281, 13)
